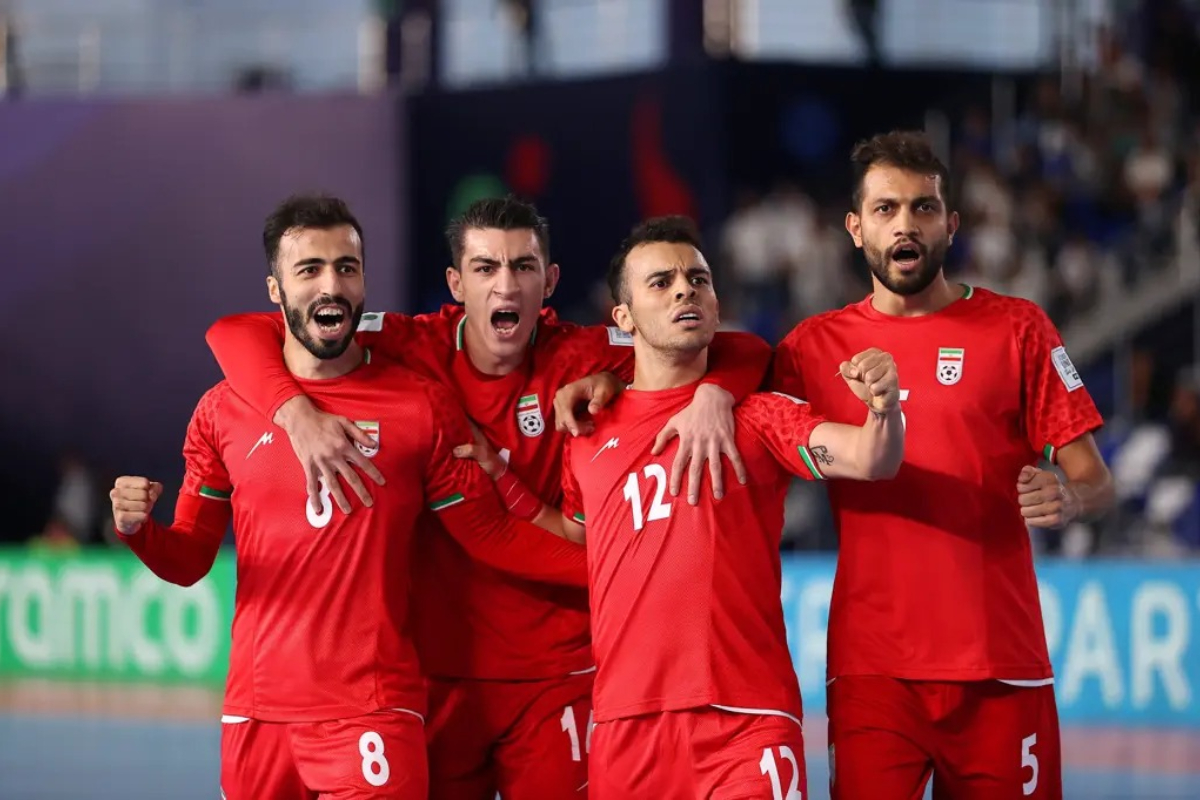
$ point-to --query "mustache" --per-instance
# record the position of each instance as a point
(328, 299)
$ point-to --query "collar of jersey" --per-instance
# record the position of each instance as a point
(462, 326)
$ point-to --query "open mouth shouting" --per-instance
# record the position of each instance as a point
(505, 320)
(332, 318)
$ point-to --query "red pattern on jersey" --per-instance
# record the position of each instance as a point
(471, 620)
(685, 599)
(322, 598)
(935, 576)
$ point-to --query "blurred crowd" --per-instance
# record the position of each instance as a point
(1089, 192)
(1086, 193)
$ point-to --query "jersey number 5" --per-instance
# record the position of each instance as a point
(633, 493)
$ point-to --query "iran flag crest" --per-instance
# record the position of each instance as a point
(949, 365)
(370, 429)
(529, 416)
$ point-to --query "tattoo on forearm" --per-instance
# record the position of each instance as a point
(822, 455)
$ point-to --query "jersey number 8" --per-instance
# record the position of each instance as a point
(319, 519)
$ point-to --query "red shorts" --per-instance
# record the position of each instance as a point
(683, 755)
(379, 755)
(980, 740)
(526, 740)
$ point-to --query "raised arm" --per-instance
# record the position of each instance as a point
(816, 449)
(184, 552)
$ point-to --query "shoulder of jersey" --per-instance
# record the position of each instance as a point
(827, 318)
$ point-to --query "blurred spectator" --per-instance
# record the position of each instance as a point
(75, 514)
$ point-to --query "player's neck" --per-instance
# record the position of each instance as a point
(656, 370)
(488, 362)
(934, 298)
(306, 366)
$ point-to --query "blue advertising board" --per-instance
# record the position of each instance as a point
(1124, 637)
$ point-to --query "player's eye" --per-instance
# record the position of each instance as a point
(699, 280)
(348, 269)
(927, 208)
(658, 284)
(882, 208)
(485, 269)
(525, 267)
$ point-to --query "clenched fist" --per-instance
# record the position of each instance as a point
(872, 376)
(133, 499)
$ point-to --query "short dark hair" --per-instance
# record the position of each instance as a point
(318, 211)
(502, 213)
(908, 150)
(674, 229)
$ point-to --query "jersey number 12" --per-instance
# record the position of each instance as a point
(633, 493)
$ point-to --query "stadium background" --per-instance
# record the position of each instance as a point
(143, 141)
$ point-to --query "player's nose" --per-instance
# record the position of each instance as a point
(506, 282)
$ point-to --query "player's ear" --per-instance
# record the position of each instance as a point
(552, 275)
(854, 228)
(952, 225)
(273, 290)
(621, 316)
(454, 281)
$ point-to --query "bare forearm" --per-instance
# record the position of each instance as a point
(1092, 495)
(880, 445)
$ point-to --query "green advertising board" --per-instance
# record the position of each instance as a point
(101, 615)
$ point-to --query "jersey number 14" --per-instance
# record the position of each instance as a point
(633, 493)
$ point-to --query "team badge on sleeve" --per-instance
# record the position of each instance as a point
(529, 416)
(950, 365)
(370, 429)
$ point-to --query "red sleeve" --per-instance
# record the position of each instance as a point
(184, 552)
(463, 497)
(572, 503)
(249, 350)
(1058, 409)
(737, 362)
(784, 425)
(787, 368)
(593, 349)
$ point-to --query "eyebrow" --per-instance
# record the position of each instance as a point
(528, 258)
(316, 262)
(690, 272)
(925, 198)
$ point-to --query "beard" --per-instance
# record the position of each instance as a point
(932, 259)
(298, 319)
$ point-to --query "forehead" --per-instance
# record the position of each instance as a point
(646, 259)
(500, 245)
(342, 240)
(885, 180)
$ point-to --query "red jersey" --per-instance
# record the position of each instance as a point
(319, 629)
(935, 575)
(685, 599)
(472, 621)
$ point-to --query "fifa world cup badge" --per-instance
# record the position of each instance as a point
(529, 416)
